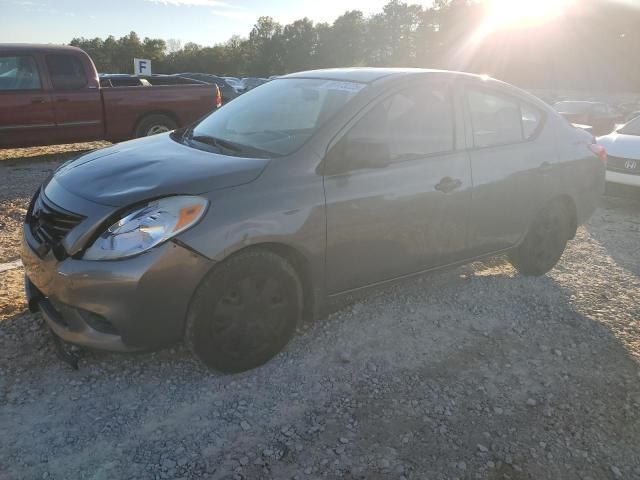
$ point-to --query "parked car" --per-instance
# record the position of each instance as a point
(631, 115)
(236, 83)
(252, 82)
(226, 90)
(602, 118)
(629, 110)
(52, 94)
(227, 233)
(623, 149)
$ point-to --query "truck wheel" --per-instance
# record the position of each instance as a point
(154, 124)
(545, 241)
(244, 311)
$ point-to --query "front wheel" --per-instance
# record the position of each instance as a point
(545, 241)
(244, 312)
(155, 124)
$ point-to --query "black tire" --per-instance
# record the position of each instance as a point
(545, 241)
(154, 124)
(244, 311)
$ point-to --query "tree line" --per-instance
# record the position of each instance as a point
(594, 47)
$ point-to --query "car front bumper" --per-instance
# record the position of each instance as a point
(131, 304)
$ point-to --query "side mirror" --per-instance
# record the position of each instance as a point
(348, 155)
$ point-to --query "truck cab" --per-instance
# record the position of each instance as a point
(52, 94)
(49, 94)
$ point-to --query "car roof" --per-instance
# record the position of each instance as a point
(580, 102)
(37, 47)
(368, 74)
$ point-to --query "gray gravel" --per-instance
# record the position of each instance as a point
(474, 372)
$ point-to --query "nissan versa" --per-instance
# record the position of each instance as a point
(228, 232)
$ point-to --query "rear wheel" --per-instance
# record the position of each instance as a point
(244, 312)
(545, 241)
(155, 124)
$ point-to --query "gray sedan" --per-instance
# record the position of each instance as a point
(228, 233)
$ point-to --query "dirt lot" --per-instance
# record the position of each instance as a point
(475, 372)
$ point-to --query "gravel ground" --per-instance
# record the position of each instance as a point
(475, 372)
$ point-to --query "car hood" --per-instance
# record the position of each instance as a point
(130, 172)
(619, 145)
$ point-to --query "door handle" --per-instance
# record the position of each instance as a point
(448, 184)
(37, 100)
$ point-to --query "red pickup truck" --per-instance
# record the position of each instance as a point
(52, 94)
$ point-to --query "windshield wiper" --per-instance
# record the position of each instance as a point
(216, 142)
(235, 148)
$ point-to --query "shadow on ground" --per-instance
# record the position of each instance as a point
(472, 373)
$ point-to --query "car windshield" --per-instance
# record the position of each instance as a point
(571, 107)
(631, 128)
(277, 118)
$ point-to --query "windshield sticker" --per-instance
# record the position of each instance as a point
(343, 86)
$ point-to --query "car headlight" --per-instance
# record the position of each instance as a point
(146, 227)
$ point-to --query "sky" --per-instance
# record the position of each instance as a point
(202, 21)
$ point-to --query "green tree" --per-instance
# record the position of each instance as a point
(342, 44)
(298, 42)
(264, 48)
(591, 47)
(392, 34)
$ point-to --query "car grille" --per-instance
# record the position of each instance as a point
(48, 223)
(623, 165)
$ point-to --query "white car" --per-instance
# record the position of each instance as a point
(623, 149)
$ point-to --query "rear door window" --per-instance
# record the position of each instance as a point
(498, 119)
(19, 72)
(66, 72)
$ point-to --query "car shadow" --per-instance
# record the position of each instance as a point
(478, 366)
(616, 226)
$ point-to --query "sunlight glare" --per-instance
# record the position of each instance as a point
(523, 13)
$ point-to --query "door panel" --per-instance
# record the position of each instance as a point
(26, 112)
(403, 215)
(386, 223)
(508, 191)
(512, 162)
(78, 115)
(77, 103)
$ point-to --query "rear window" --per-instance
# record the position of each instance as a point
(66, 72)
(19, 73)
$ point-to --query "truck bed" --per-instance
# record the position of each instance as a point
(124, 107)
